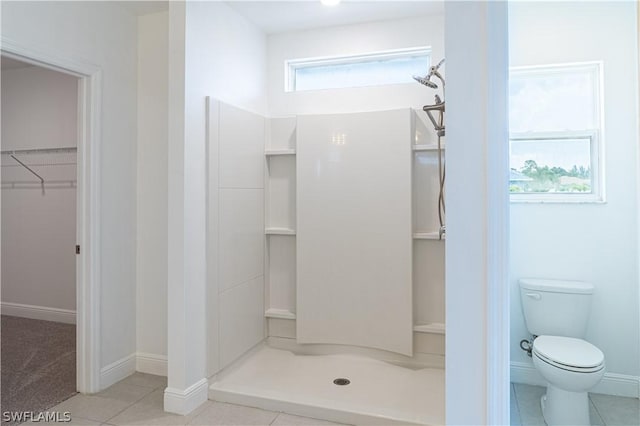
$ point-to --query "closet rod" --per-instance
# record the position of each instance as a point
(30, 169)
(41, 151)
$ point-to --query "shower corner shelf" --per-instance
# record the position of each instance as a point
(421, 148)
(427, 236)
(279, 314)
(279, 231)
(274, 152)
(431, 328)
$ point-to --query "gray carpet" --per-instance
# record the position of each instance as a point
(38, 364)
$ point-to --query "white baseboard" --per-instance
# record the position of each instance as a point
(117, 371)
(611, 384)
(183, 402)
(151, 363)
(45, 313)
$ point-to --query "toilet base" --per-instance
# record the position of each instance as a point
(561, 407)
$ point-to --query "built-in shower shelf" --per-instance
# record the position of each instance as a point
(427, 236)
(432, 328)
(273, 152)
(419, 148)
(279, 231)
(280, 314)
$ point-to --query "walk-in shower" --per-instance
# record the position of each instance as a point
(438, 124)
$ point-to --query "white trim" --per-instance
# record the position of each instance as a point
(151, 363)
(611, 384)
(117, 371)
(88, 201)
(45, 313)
(185, 401)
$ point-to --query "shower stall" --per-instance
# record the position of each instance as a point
(352, 290)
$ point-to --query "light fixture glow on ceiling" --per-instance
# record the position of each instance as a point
(330, 2)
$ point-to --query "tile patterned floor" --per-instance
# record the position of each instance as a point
(138, 400)
(605, 410)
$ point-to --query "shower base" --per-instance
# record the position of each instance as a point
(378, 393)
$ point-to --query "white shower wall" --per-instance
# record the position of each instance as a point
(428, 255)
(235, 233)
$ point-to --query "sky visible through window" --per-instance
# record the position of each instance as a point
(365, 72)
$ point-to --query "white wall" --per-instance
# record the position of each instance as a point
(213, 52)
(39, 110)
(151, 294)
(346, 40)
(105, 35)
(590, 242)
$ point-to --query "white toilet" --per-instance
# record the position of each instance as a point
(557, 313)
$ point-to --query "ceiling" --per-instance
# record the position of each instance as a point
(282, 16)
(295, 15)
(12, 64)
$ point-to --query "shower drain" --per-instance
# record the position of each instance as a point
(341, 381)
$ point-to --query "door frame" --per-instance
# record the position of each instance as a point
(88, 198)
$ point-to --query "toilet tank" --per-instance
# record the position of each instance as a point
(556, 308)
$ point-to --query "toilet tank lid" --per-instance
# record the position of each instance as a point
(556, 286)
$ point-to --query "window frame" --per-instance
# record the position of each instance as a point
(595, 135)
(292, 65)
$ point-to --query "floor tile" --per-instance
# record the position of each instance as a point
(284, 419)
(596, 420)
(150, 411)
(528, 398)
(145, 380)
(123, 391)
(617, 410)
(219, 413)
(75, 421)
(515, 411)
(91, 407)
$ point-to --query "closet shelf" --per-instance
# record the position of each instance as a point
(431, 328)
(279, 231)
(427, 236)
(274, 152)
(280, 314)
(420, 148)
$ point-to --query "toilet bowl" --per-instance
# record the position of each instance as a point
(571, 368)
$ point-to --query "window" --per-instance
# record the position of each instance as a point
(373, 69)
(555, 120)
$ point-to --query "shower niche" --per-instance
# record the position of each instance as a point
(426, 247)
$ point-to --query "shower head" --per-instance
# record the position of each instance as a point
(433, 71)
(426, 81)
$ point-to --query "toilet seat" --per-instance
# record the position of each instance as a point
(568, 353)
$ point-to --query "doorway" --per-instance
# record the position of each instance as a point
(39, 192)
(86, 247)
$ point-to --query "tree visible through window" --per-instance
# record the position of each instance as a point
(554, 119)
